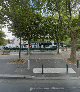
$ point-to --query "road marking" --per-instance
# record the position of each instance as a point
(53, 70)
(57, 88)
(52, 88)
(14, 54)
(44, 88)
(39, 88)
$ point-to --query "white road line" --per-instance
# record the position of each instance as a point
(57, 88)
(39, 88)
(52, 88)
(53, 70)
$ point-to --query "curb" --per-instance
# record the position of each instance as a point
(9, 76)
(56, 78)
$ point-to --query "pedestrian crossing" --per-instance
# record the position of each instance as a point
(53, 70)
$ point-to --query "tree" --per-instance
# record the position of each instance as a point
(23, 16)
(54, 9)
(23, 21)
(67, 10)
(2, 35)
(17, 16)
(73, 25)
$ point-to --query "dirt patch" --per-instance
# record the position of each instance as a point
(18, 61)
(71, 62)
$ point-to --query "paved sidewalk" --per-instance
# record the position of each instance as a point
(17, 76)
(48, 60)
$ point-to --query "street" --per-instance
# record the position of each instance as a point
(19, 85)
(54, 67)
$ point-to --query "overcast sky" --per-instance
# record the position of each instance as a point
(7, 33)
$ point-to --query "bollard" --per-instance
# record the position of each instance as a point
(28, 64)
(77, 63)
(66, 68)
(42, 69)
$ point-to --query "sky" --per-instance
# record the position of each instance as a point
(7, 33)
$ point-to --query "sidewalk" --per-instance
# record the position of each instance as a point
(16, 76)
(8, 70)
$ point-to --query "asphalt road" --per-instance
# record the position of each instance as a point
(18, 85)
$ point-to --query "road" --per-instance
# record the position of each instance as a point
(28, 85)
(19, 85)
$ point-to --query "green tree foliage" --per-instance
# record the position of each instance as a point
(39, 18)
(2, 40)
(23, 22)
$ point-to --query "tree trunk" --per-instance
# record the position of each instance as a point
(57, 47)
(57, 39)
(20, 49)
(73, 46)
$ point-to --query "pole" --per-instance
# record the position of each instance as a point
(28, 64)
(77, 63)
(42, 69)
(66, 68)
(20, 48)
